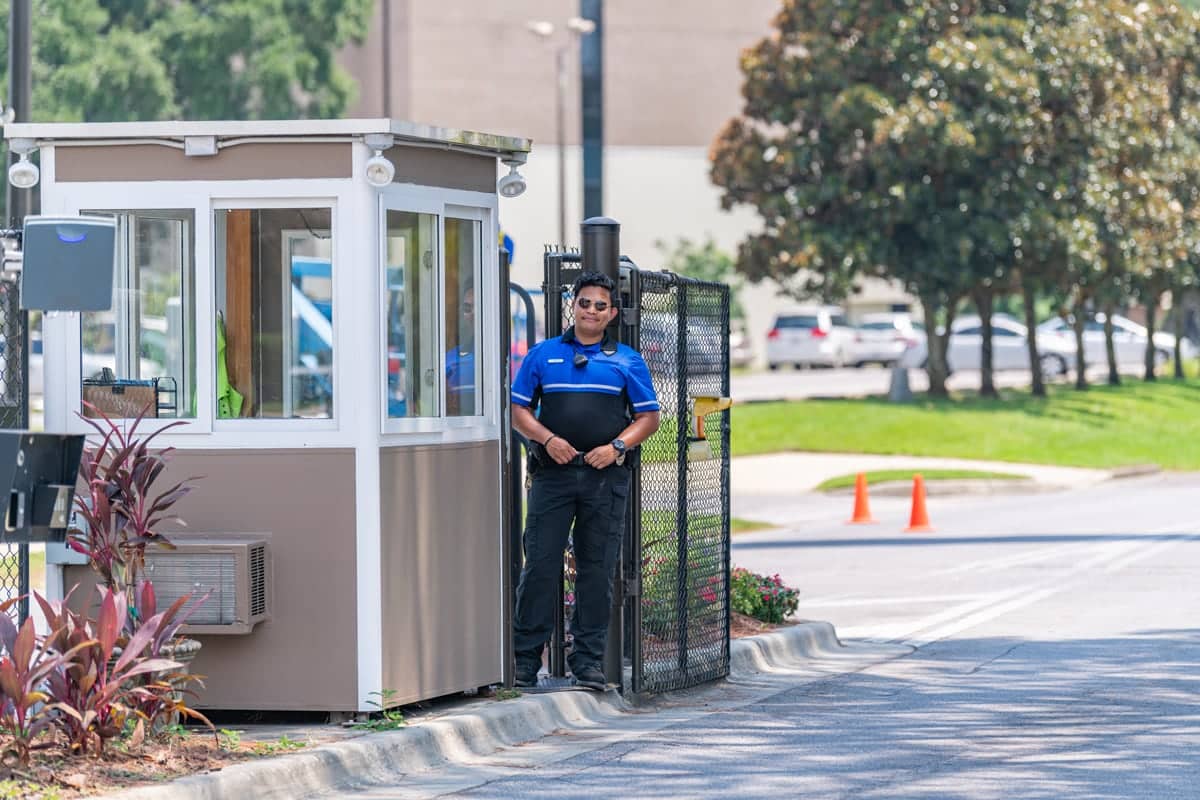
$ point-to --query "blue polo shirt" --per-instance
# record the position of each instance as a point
(587, 405)
(460, 381)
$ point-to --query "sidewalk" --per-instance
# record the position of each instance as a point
(463, 740)
(788, 473)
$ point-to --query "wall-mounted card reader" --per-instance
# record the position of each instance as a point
(39, 471)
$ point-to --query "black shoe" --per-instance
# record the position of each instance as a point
(526, 676)
(591, 677)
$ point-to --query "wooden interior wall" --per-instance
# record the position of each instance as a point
(238, 305)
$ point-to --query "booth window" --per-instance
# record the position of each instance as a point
(274, 298)
(140, 357)
(425, 362)
(463, 255)
(411, 256)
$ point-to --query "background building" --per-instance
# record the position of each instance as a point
(671, 82)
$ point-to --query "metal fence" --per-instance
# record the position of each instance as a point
(682, 530)
(14, 414)
(676, 548)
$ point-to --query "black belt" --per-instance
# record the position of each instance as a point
(577, 461)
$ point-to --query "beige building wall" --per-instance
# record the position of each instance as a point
(672, 79)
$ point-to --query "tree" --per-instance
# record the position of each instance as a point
(128, 60)
(705, 262)
(883, 138)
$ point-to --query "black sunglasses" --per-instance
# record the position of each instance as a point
(599, 304)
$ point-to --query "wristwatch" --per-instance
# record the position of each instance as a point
(619, 446)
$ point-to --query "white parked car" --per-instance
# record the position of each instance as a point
(810, 335)
(884, 338)
(1010, 347)
(1129, 341)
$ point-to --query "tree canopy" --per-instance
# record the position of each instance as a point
(129, 60)
(968, 149)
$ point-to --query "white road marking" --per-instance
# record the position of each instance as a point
(979, 608)
(1112, 557)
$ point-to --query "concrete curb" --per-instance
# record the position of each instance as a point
(957, 486)
(1135, 471)
(380, 757)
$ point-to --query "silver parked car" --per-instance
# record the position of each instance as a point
(1010, 347)
(884, 338)
(810, 336)
(1129, 341)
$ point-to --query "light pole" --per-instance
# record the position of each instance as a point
(576, 28)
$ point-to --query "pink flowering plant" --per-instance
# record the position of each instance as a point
(763, 597)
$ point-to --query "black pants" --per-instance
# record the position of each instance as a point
(595, 500)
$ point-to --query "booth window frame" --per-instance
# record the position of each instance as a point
(252, 424)
(454, 204)
(63, 365)
(127, 309)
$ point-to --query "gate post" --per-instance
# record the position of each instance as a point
(600, 251)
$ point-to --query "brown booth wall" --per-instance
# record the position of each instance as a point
(305, 656)
(151, 162)
(440, 525)
(425, 166)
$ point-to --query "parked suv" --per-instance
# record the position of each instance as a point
(809, 336)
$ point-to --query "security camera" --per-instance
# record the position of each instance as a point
(24, 174)
(512, 184)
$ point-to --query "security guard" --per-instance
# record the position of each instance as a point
(595, 405)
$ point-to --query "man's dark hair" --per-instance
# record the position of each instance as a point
(596, 279)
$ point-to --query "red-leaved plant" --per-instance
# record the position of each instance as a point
(122, 511)
(95, 693)
(24, 667)
(157, 709)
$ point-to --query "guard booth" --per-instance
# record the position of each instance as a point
(671, 609)
(323, 303)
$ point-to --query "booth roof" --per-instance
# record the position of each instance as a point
(50, 132)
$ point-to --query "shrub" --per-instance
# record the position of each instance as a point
(24, 668)
(96, 693)
(764, 598)
(120, 504)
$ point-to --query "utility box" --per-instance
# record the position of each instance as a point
(67, 263)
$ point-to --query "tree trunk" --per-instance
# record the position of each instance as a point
(1035, 359)
(1081, 381)
(935, 346)
(1151, 353)
(1178, 337)
(1110, 349)
(983, 298)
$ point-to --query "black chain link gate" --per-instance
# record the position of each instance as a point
(676, 548)
(14, 414)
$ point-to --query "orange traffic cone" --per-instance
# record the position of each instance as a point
(918, 522)
(862, 507)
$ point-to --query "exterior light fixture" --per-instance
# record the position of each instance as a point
(24, 174)
(513, 184)
(380, 171)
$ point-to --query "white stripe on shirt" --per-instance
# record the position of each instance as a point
(603, 386)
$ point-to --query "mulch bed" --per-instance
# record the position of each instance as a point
(51, 776)
(741, 625)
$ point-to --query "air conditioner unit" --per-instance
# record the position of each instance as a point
(235, 568)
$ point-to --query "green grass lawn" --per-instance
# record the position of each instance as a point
(1105, 427)
(881, 475)
(738, 525)
(37, 568)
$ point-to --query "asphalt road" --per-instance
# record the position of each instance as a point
(1054, 653)
(790, 384)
